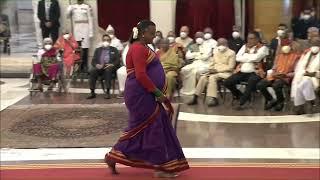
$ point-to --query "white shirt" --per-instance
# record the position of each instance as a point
(203, 53)
(248, 59)
(211, 43)
(115, 42)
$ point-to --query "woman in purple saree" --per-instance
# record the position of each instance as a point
(149, 141)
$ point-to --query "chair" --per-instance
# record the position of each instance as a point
(113, 83)
(222, 90)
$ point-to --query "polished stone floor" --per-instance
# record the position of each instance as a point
(64, 124)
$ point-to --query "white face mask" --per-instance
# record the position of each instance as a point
(111, 36)
(66, 36)
(47, 47)
(221, 48)
(183, 34)
(207, 36)
(171, 39)
(280, 33)
(199, 40)
(315, 49)
(105, 44)
(306, 16)
(235, 34)
(286, 49)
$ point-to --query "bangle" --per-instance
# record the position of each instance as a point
(157, 93)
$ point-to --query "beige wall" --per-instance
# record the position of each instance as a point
(162, 12)
(269, 13)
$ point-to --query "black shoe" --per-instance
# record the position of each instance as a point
(310, 107)
(299, 110)
(213, 102)
(107, 96)
(279, 106)
(270, 104)
(239, 107)
(92, 96)
(194, 100)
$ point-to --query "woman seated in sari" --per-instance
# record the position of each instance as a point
(68, 45)
(149, 141)
(48, 67)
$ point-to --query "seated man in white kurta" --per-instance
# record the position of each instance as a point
(115, 42)
(198, 55)
(306, 78)
(122, 72)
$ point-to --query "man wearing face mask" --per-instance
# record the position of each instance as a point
(198, 58)
(106, 61)
(115, 42)
(171, 37)
(184, 39)
(306, 78)
(209, 41)
(82, 20)
(236, 42)
(282, 35)
(171, 59)
(279, 76)
(221, 67)
(69, 46)
(156, 40)
(249, 69)
(301, 24)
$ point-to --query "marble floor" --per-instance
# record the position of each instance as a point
(208, 135)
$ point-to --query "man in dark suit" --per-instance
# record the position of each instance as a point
(5, 32)
(49, 14)
(236, 42)
(105, 62)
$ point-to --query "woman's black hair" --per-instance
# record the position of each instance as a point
(142, 27)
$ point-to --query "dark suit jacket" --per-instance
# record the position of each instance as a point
(236, 44)
(4, 19)
(114, 57)
(54, 13)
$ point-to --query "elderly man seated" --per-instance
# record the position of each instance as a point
(306, 43)
(280, 75)
(222, 66)
(184, 38)
(105, 62)
(198, 56)
(306, 78)
(249, 69)
(48, 66)
(171, 57)
(69, 46)
(208, 36)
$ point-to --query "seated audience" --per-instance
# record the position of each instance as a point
(236, 42)
(69, 46)
(221, 67)
(306, 43)
(184, 38)
(306, 78)
(208, 39)
(198, 58)
(48, 67)
(105, 62)
(250, 68)
(301, 24)
(279, 76)
(115, 42)
(171, 57)
(122, 71)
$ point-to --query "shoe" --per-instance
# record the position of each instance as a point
(92, 96)
(162, 174)
(279, 106)
(270, 104)
(107, 96)
(213, 102)
(239, 107)
(194, 100)
(299, 110)
(310, 107)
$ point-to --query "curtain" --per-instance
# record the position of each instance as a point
(123, 15)
(198, 14)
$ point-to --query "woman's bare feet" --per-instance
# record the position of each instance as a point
(162, 174)
(112, 165)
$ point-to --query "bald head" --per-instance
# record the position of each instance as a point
(313, 32)
(164, 44)
(184, 29)
(208, 30)
(315, 41)
(222, 42)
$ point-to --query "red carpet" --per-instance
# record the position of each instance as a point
(195, 173)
